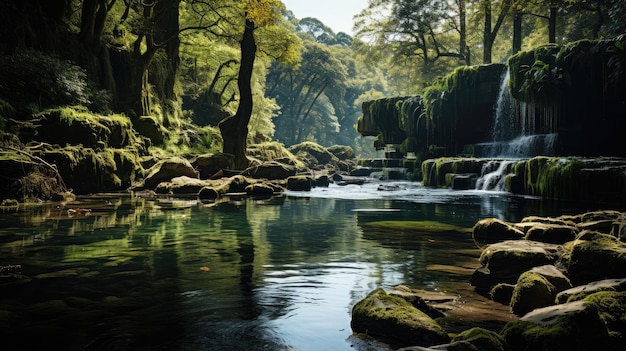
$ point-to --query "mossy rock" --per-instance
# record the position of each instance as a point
(552, 233)
(604, 257)
(532, 291)
(504, 262)
(259, 189)
(582, 291)
(493, 230)
(299, 183)
(275, 151)
(210, 164)
(574, 326)
(549, 220)
(312, 154)
(502, 293)
(86, 170)
(342, 152)
(392, 318)
(611, 306)
(150, 128)
(239, 183)
(165, 170)
(67, 126)
(270, 170)
(482, 339)
(554, 276)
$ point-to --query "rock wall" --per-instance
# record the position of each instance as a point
(455, 112)
(578, 91)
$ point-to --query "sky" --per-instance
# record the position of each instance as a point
(337, 14)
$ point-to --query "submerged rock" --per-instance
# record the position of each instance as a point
(389, 317)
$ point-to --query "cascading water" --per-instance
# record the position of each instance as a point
(493, 175)
(510, 138)
(504, 112)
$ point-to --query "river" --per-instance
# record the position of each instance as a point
(120, 272)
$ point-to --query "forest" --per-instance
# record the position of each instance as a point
(202, 76)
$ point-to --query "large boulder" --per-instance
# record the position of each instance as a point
(210, 164)
(532, 291)
(313, 155)
(573, 326)
(166, 170)
(600, 257)
(493, 230)
(342, 152)
(504, 262)
(270, 170)
(299, 183)
(392, 318)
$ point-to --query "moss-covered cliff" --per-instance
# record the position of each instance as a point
(578, 91)
(453, 113)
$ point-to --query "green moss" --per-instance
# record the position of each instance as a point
(578, 330)
(483, 339)
(532, 291)
(418, 226)
(553, 178)
(393, 318)
(611, 306)
(274, 151)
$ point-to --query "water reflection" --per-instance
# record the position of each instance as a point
(279, 274)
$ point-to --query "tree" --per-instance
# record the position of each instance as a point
(419, 30)
(491, 30)
(234, 128)
(306, 94)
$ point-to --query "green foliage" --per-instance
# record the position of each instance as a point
(32, 78)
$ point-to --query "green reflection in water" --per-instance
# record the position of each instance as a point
(277, 274)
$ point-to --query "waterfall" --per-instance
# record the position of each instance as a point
(493, 175)
(512, 139)
(504, 112)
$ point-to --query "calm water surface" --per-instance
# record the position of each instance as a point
(274, 274)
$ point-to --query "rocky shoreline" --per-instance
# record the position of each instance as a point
(563, 279)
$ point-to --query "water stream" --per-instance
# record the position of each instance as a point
(275, 274)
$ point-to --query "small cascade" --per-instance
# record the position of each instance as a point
(520, 147)
(492, 176)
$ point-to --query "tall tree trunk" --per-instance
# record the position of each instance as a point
(234, 128)
(552, 25)
(489, 34)
(166, 36)
(463, 49)
(487, 41)
(517, 32)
